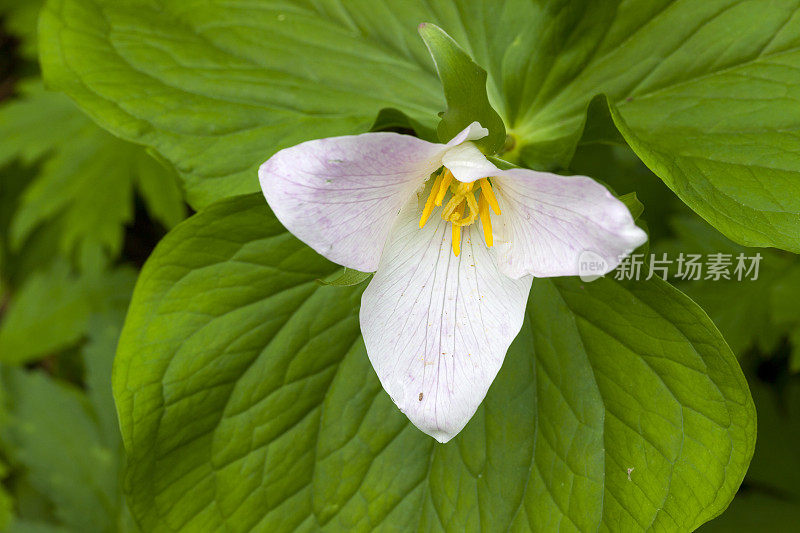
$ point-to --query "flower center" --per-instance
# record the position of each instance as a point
(462, 209)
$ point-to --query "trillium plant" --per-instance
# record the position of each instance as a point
(393, 306)
(454, 242)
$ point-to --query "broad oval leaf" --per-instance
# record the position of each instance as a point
(244, 407)
(708, 89)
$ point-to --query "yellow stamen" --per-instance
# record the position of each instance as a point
(486, 220)
(457, 233)
(462, 198)
(429, 203)
(447, 178)
(456, 216)
(486, 190)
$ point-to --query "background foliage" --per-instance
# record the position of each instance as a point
(250, 377)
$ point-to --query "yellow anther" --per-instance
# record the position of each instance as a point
(462, 198)
(486, 190)
(486, 220)
(429, 203)
(447, 178)
(457, 233)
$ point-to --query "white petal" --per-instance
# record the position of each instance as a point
(467, 163)
(549, 221)
(341, 195)
(473, 132)
(436, 326)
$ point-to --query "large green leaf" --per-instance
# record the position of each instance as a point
(705, 92)
(243, 406)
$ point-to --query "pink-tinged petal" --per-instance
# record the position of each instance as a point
(548, 221)
(437, 326)
(341, 195)
(473, 132)
(467, 163)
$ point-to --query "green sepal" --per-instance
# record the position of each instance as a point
(464, 84)
(345, 278)
(500, 163)
(633, 204)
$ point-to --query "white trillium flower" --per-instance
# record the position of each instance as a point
(454, 243)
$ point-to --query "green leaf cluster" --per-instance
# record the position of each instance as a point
(63, 446)
(85, 185)
(68, 190)
(717, 127)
